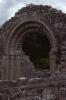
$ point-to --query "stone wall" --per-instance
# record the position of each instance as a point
(30, 84)
(52, 88)
(44, 19)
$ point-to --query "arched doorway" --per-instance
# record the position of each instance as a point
(37, 47)
(41, 41)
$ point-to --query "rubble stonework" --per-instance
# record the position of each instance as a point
(52, 88)
(14, 63)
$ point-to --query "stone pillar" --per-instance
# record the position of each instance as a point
(4, 68)
(53, 58)
(16, 64)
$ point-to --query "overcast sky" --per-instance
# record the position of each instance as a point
(9, 7)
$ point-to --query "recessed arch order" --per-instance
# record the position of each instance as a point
(22, 29)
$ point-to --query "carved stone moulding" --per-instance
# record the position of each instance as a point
(33, 18)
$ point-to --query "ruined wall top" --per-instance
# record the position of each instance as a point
(38, 8)
(45, 9)
(50, 20)
(53, 17)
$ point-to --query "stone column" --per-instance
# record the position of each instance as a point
(16, 64)
(53, 58)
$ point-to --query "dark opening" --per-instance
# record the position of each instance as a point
(37, 47)
(1, 97)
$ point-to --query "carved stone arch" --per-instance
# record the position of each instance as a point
(51, 35)
(43, 18)
(17, 34)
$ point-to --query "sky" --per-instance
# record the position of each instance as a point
(9, 7)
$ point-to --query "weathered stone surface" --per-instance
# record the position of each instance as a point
(35, 88)
(45, 19)
(16, 65)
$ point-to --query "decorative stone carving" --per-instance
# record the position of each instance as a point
(33, 18)
(23, 81)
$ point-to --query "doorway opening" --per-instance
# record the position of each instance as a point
(37, 47)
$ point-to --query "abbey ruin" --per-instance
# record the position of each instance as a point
(25, 74)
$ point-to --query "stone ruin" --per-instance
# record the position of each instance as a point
(19, 79)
